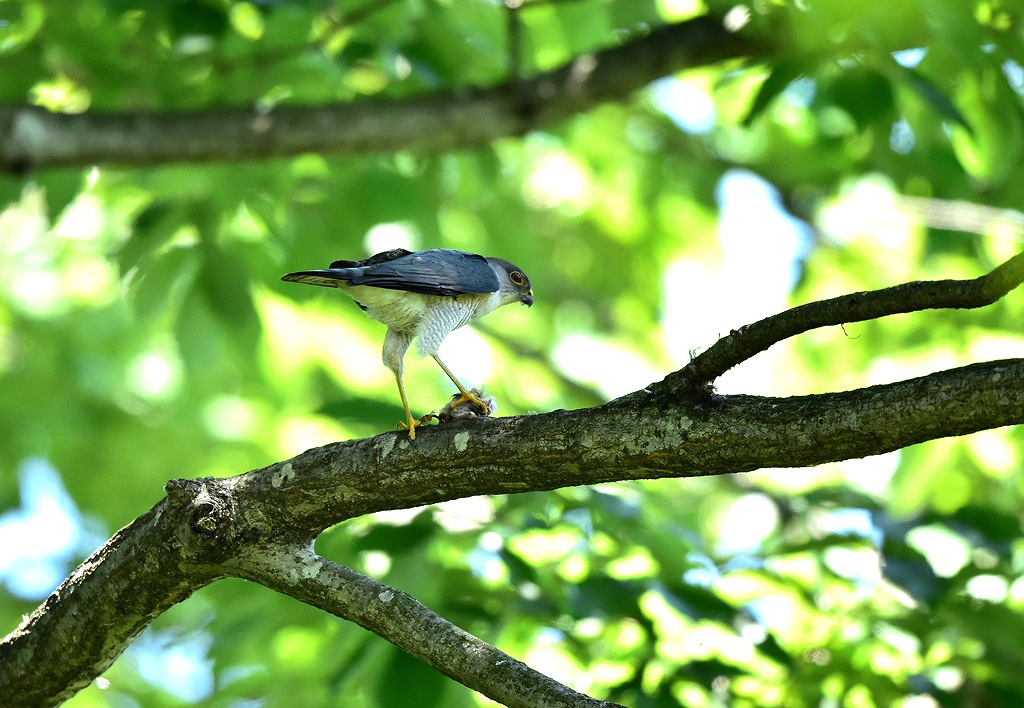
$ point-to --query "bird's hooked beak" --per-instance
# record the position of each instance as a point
(528, 299)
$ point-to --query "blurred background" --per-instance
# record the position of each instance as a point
(145, 335)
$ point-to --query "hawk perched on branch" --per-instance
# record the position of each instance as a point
(424, 294)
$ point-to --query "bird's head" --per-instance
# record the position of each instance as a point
(515, 284)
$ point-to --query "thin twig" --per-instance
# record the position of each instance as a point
(744, 343)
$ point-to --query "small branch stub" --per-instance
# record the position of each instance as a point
(206, 512)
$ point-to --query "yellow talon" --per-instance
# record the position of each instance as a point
(411, 427)
(467, 395)
(470, 397)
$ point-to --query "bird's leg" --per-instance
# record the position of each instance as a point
(467, 395)
(395, 345)
(411, 425)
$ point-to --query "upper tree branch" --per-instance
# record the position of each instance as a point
(32, 137)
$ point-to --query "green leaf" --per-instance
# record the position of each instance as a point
(406, 681)
(161, 284)
(863, 92)
(198, 17)
(935, 97)
(153, 228)
(780, 75)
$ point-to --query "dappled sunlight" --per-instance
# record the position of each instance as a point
(38, 292)
(988, 588)
(557, 662)
(990, 346)
(746, 523)
(610, 365)
(947, 551)
(145, 334)
(233, 418)
(558, 180)
(155, 374)
(865, 214)
(469, 514)
(320, 334)
(546, 546)
(486, 562)
(996, 454)
(301, 433)
(376, 564)
(47, 269)
(868, 474)
(884, 370)
(91, 282)
(674, 10)
(61, 95)
(82, 220)
(27, 271)
(688, 103)
(689, 329)
(761, 250)
(634, 563)
(384, 237)
(681, 640)
(466, 351)
(1015, 597)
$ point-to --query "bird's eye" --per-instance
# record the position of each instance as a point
(517, 277)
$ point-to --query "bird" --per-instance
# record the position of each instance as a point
(424, 295)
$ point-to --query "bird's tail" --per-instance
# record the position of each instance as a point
(327, 278)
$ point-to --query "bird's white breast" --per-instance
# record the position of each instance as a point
(429, 317)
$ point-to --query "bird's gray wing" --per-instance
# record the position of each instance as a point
(438, 271)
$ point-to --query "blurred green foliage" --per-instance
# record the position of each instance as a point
(145, 335)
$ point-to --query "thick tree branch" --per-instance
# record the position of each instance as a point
(742, 344)
(32, 138)
(640, 436)
(300, 573)
(248, 526)
(97, 612)
(201, 535)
